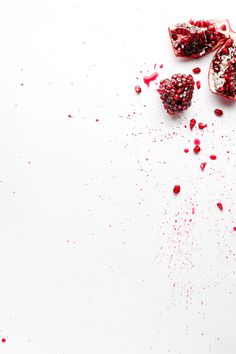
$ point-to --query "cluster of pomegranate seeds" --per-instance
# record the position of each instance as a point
(220, 206)
(196, 149)
(198, 84)
(176, 93)
(138, 89)
(222, 73)
(197, 38)
(218, 112)
(176, 189)
(202, 126)
(192, 123)
(196, 70)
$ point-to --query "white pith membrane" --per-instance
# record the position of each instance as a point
(217, 80)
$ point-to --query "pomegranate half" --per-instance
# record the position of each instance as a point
(222, 72)
(194, 39)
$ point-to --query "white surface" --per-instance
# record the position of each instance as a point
(106, 187)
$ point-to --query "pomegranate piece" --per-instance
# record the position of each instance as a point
(176, 93)
(138, 89)
(202, 125)
(196, 70)
(196, 149)
(218, 112)
(196, 38)
(222, 72)
(198, 84)
(176, 189)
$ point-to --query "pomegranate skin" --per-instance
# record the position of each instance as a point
(222, 71)
(194, 39)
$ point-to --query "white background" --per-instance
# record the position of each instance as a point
(96, 254)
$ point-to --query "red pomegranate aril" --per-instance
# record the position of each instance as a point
(138, 89)
(196, 70)
(196, 38)
(196, 149)
(202, 125)
(176, 189)
(220, 206)
(176, 93)
(213, 157)
(198, 84)
(192, 123)
(186, 150)
(218, 112)
(203, 165)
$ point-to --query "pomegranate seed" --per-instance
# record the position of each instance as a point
(138, 89)
(220, 206)
(218, 112)
(198, 84)
(203, 165)
(176, 189)
(192, 123)
(196, 70)
(202, 126)
(223, 27)
(196, 149)
(186, 151)
(197, 142)
(213, 157)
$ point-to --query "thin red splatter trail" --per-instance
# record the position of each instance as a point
(150, 78)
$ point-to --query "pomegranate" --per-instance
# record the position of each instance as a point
(222, 72)
(176, 93)
(196, 38)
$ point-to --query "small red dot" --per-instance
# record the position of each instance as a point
(176, 189)
(3, 340)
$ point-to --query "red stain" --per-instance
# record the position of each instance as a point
(186, 150)
(220, 206)
(202, 125)
(138, 89)
(176, 189)
(213, 157)
(148, 79)
(203, 165)
(192, 123)
(197, 142)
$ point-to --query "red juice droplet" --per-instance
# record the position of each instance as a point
(213, 157)
(202, 125)
(196, 149)
(202, 166)
(192, 123)
(186, 150)
(197, 142)
(148, 79)
(220, 206)
(3, 340)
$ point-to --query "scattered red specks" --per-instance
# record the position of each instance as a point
(198, 84)
(161, 66)
(197, 142)
(203, 165)
(186, 150)
(96, 120)
(202, 125)
(220, 206)
(218, 112)
(192, 123)
(148, 79)
(3, 340)
(138, 89)
(176, 189)
(213, 157)
(196, 70)
(234, 228)
(196, 149)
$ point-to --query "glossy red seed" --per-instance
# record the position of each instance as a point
(198, 84)
(196, 70)
(176, 189)
(213, 157)
(138, 89)
(192, 123)
(223, 27)
(186, 150)
(202, 125)
(196, 149)
(203, 165)
(218, 112)
(220, 206)
(3, 340)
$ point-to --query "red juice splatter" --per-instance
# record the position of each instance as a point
(220, 206)
(148, 79)
(197, 142)
(213, 157)
(138, 89)
(203, 165)
(176, 189)
(192, 123)
(186, 150)
(202, 125)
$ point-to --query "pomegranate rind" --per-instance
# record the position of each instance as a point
(212, 76)
(190, 28)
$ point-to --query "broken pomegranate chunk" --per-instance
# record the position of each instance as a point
(196, 38)
(176, 93)
(222, 72)
(202, 125)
